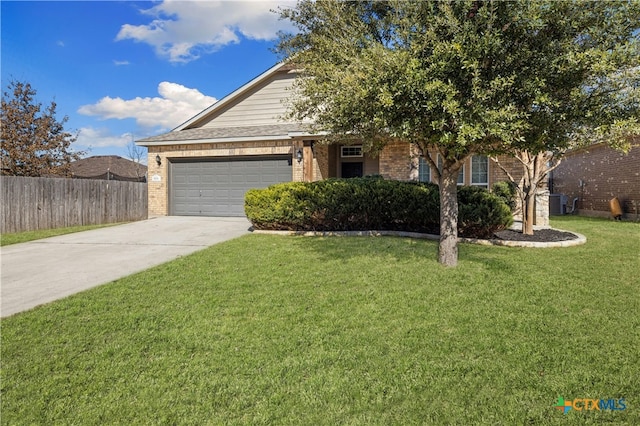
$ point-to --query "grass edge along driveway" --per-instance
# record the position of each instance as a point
(294, 330)
(26, 236)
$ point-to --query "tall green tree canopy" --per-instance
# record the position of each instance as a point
(458, 77)
(34, 142)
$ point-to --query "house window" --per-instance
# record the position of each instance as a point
(424, 170)
(351, 151)
(460, 173)
(480, 170)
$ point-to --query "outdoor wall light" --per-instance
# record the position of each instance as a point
(158, 160)
(299, 155)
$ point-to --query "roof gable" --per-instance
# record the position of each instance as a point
(257, 103)
(253, 112)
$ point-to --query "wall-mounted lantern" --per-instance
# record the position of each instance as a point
(158, 160)
(299, 155)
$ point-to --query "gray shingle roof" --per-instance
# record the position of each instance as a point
(96, 167)
(268, 131)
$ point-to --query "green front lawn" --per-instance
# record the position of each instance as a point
(298, 330)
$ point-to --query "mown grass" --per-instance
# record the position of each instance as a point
(296, 330)
(23, 237)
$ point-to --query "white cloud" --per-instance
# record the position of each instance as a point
(175, 105)
(90, 137)
(120, 63)
(183, 30)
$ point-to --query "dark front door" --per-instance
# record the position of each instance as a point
(351, 170)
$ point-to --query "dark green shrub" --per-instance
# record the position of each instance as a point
(481, 213)
(507, 191)
(281, 206)
(370, 204)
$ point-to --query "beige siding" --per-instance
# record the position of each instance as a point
(261, 105)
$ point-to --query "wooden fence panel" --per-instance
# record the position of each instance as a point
(28, 204)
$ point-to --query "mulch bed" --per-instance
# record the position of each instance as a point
(541, 235)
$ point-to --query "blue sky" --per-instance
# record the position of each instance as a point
(124, 70)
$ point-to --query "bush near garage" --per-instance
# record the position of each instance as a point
(372, 204)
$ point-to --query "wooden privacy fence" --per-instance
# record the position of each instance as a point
(29, 204)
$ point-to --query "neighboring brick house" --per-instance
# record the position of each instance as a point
(108, 167)
(205, 166)
(596, 174)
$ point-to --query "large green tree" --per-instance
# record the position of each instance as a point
(34, 142)
(457, 78)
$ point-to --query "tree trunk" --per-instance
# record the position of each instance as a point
(528, 212)
(536, 167)
(448, 248)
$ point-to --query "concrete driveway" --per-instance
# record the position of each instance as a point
(45, 270)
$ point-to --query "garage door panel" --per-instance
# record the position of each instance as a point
(217, 188)
(222, 181)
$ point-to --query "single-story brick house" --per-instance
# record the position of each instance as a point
(596, 174)
(205, 165)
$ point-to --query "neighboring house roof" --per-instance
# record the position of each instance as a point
(110, 167)
(253, 112)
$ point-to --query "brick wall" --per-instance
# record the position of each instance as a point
(395, 161)
(604, 173)
(511, 164)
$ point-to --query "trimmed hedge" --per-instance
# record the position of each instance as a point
(507, 191)
(371, 204)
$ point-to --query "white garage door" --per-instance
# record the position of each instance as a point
(216, 187)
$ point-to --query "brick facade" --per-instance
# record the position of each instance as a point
(597, 174)
(496, 174)
(395, 161)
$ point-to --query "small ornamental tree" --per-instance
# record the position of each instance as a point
(448, 77)
(586, 90)
(137, 154)
(34, 142)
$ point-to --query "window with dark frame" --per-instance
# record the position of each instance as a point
(351, 151)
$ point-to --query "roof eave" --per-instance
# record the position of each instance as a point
(214, 140)
(289, 135)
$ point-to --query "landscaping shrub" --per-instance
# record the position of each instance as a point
(507, 191)
(371, 204)
(481, 213)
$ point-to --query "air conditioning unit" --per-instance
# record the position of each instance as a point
(558, 204)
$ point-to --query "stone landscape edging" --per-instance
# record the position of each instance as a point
(579, 240)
